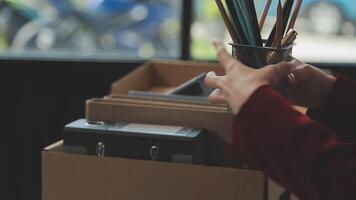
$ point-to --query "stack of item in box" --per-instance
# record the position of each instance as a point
(158, 112)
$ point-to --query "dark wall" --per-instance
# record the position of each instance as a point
(37, 99)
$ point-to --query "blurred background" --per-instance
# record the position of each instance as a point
(128, 29)
(144, 29)
(326, 29)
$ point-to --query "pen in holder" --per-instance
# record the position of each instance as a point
(257, 57)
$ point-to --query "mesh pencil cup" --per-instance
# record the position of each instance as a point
(257, 57)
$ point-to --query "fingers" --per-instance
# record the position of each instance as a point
(213, 81)
(279, 70)
(217, 97)
(284, 68)
(300, 73)
(297, 61)
(291, 78)
(223, 56)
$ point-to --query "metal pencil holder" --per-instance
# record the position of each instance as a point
(257, 57)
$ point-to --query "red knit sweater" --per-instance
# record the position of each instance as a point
(312, 156)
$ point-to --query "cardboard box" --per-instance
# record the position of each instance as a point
(162, 76)
(67, 176)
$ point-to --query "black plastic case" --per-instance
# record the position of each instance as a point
(137, 141)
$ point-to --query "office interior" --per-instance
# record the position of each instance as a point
(54, 56)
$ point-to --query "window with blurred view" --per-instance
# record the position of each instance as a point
(128, 29)
(327, 30)
(145, 29)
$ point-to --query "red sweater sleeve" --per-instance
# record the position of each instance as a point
(302, 155)
(339, 112)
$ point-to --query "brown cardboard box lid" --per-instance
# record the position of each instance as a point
(68, 176)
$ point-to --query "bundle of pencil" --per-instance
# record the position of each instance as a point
(240, 18)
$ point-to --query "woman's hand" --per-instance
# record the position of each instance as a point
(240, 81)
(308, 85)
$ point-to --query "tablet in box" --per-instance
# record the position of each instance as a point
(192, 90)
(138, 141)
(162, 77)
(194, 87)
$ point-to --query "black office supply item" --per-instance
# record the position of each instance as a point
(254, 20)
(238, 26)
(227, 21)
(136, 141)
(194, 87)
(193, 90)
(279, 27)
(243, 17)
(287, 9)
(294, 17)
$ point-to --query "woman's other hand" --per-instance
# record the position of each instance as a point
(240, 81)
(308, 85)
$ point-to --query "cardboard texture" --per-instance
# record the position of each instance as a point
(81, 177)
